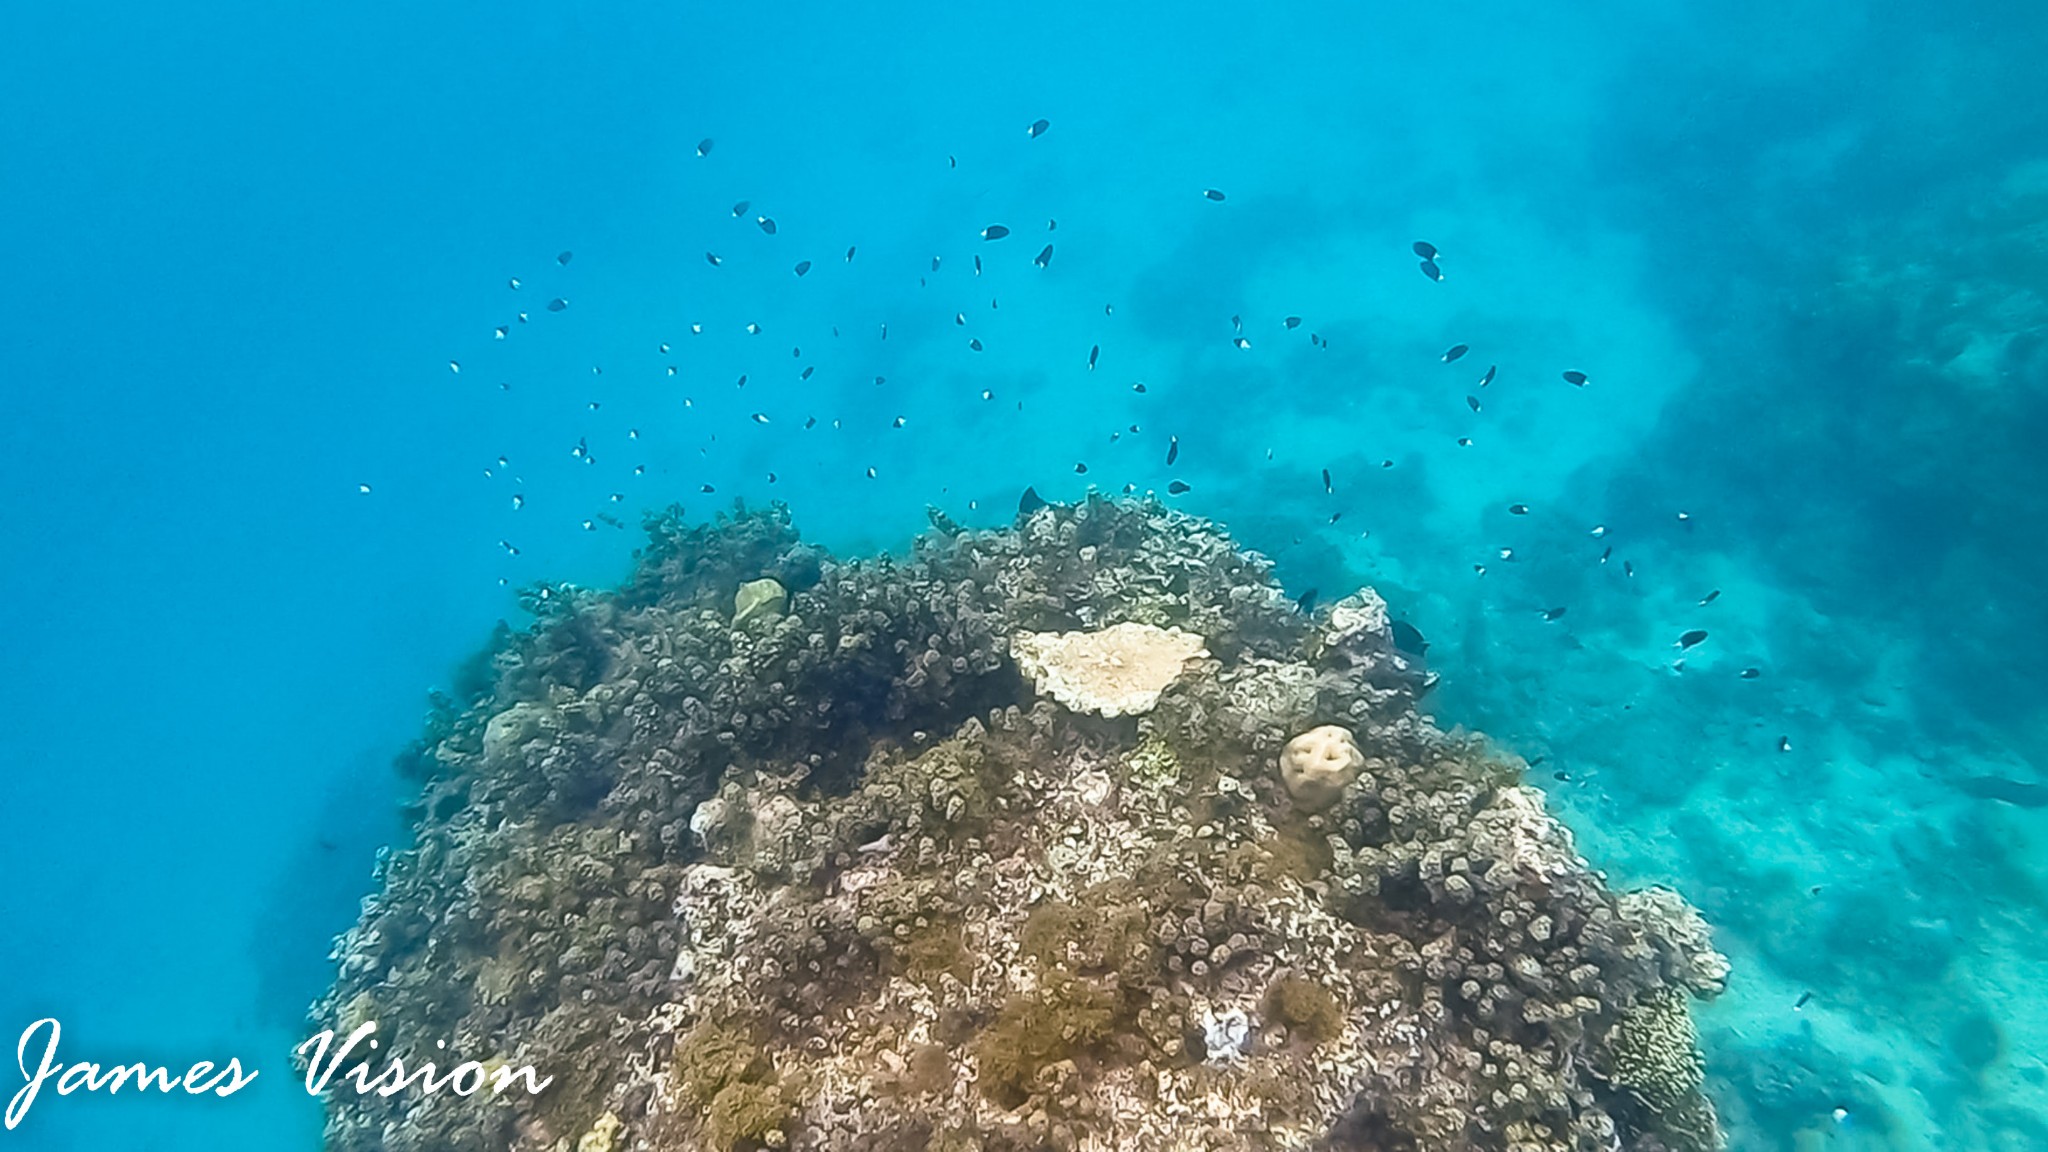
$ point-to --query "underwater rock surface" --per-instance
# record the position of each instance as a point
(837, 877)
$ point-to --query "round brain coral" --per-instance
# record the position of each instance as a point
(1317, 764)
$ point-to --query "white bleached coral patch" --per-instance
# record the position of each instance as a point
(1117, 671)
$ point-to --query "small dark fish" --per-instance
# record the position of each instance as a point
(807, 372)
(977, 265)
(1044, 256)
(1784, 743)
(1176, 488)
(1518, 509)
(1037, 128)
(1455, 351)
(1488, 378)
(1430, 270)
(1409, 639)
(1052, 225)
(1336, 516)
(935, 266)
(740, 209)
(557, 304)
(1692, 637)
(1804, 998)
(2015, 792)
(1472, 402)
(1306, 601)
(803, 266)
(1092, 354)
(1213, 194)
(1751, 673)
(742, 382)
(1237, 324)
(1138, 387)
(767, 224)
(564, 256)
(952, 161)
(1326, 481)
(1575, 378)
(1561, 776)
(1292, 322)
(975, 343)
(810, 422)
(1424, 249)
(712, 259)
(1465, 441)
(849, 254)
(1710, 597)
(1030, 502)
(1172, 450)
(760, 417)
(1081, 469)
(993, 232)
(706, 488)
(704, 146)
(1553, 613)
(1628, 568)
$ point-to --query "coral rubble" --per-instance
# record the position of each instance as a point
(841, 879)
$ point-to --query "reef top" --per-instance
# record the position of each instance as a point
(1076, 834)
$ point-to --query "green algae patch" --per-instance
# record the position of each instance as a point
(713, 1056)
(743, 1114)
(724, 1072)
(938, 948)
(1064, 1018)
(1107, 928)
(1309, 1010)
(1294, 852)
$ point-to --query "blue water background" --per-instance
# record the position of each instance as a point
(1798, 247)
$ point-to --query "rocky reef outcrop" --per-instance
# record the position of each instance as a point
(836, 876)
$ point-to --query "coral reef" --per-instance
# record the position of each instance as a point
(841, 879)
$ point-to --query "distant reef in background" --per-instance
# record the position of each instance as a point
(1077, 834)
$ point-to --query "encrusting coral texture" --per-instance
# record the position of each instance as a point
(837, 876)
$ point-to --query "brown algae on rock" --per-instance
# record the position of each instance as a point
(882, 876)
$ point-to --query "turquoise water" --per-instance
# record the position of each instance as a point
(1798, 249)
